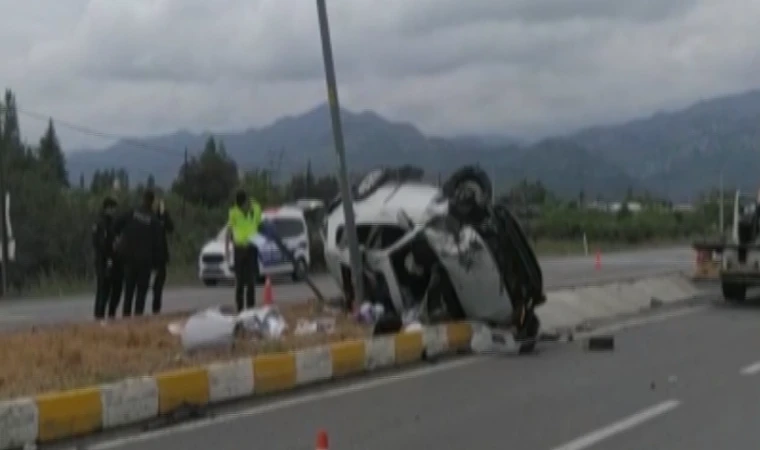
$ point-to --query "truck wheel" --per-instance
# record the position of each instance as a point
(734, 292)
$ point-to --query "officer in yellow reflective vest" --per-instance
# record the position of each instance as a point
(243, 224)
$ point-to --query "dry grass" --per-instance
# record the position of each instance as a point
(52, 358)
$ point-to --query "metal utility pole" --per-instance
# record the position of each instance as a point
(3, 207)
(720, 193)
(345, 192)
(184, 182)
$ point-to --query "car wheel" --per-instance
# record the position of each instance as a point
(473, 178)
(733, 292)
(210, 283)
(300, 270)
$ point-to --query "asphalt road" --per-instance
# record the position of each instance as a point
(558, 272)
(690, 382)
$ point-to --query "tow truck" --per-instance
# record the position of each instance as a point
(739, 253)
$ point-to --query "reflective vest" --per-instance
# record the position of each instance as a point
(244, 224)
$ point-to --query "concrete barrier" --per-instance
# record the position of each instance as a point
(574, 306)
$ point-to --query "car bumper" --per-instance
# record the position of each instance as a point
(223, 271)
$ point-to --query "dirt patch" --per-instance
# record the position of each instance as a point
(57, 357)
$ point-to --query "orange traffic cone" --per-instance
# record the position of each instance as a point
(322, 441)
(268, 295)
(598, 261)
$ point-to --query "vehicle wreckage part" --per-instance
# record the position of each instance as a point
(521, 273)
(601, 342)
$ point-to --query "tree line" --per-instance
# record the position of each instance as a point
(52, 218)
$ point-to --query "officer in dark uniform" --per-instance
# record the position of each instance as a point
(137, 244)
(162, 257)
(106, 267)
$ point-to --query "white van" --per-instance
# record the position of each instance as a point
(289, 223)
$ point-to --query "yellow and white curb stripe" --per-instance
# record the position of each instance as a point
(50, 417)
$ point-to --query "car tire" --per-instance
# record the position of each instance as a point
(734, 292)
(210, 283)
(470, 174)
(300, 270)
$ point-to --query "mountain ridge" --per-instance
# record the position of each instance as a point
(675, 154)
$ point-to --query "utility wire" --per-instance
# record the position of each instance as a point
(179, 153)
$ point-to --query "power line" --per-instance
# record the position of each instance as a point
(101, 134)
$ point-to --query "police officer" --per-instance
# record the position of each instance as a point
(162, 256)
(108, 279)
(243, 224)
(138, 239)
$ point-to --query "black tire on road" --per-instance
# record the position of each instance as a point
(734, 292)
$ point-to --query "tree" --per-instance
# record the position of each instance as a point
(51, 156)
(209, 179)
(151, 183)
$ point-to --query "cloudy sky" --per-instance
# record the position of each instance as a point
(524, 67)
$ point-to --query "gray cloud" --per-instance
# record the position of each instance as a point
(520, 66)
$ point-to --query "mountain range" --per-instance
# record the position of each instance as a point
(675, 154)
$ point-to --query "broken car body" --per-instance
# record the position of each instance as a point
(447, 253)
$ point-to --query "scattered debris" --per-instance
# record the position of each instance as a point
(601, 342)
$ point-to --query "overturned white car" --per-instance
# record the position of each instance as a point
(446, 253)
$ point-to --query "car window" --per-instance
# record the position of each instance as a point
(287, 228)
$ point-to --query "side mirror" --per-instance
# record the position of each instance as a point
(404, 220)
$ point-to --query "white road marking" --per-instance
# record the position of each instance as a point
(621, 426)
(346, 390)
(752, 369)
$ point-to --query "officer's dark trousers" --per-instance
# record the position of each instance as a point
(159, 278)
(246, 271)
(117, 286)
(108, 290)
(102, 290)
(136, 283)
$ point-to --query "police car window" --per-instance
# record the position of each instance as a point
(288, 228)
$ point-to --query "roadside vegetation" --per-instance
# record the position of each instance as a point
(52, 217)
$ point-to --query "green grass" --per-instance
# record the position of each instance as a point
(568, 248)
(57, 286)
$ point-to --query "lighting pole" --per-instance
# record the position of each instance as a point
(720, 193)
(345, 192)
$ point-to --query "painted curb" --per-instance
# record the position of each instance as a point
(50, 417)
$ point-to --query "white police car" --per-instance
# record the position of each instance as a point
(289, 224)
